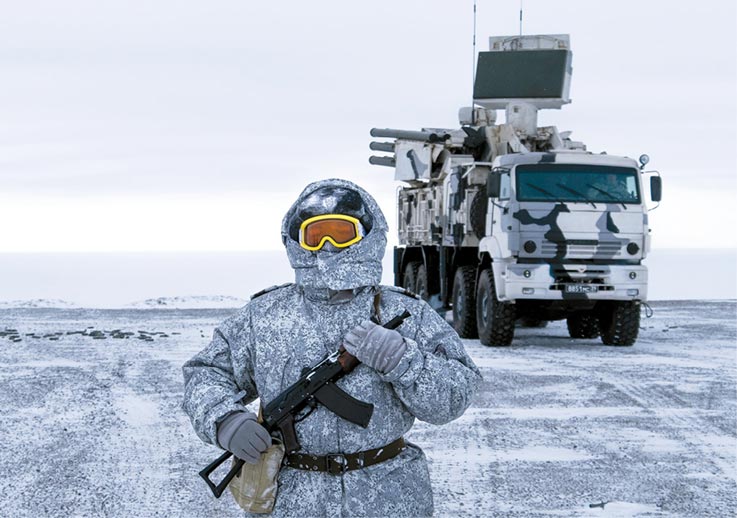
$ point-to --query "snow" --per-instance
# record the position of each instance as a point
(540, 454)
(37, 303)
(137, 411)
(190, 302)
(560, 427)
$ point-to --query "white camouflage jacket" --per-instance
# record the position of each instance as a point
(263, 348)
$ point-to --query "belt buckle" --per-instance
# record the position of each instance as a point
(336, 463)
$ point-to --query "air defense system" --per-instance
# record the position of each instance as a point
(513, 224)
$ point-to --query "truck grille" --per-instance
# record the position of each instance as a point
(582, 248)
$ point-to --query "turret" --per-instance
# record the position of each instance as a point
(520, 74)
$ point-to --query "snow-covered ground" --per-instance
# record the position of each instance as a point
(91, 426)
(190, 302)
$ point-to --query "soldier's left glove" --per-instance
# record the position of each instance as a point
(376, 346)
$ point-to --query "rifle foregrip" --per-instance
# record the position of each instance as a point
(347, 361)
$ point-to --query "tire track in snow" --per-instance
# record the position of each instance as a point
(692, 429)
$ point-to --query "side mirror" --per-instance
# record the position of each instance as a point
(656, 188)
(493, 184)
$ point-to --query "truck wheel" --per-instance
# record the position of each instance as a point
(409, 279)
(620, 323)
(421, 281)
(584, 324)
(464, 303)
(494, 319)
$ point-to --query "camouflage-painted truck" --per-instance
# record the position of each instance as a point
(518, 224)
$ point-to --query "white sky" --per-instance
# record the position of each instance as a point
(131, 125)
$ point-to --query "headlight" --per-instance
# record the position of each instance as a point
(530, 246)
(633, 248)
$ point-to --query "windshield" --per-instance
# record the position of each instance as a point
(577, 183)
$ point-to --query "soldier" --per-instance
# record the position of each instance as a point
(335, 237)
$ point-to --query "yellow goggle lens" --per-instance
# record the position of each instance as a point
(338, 229)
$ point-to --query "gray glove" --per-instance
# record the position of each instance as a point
(376, 346)
(241, 434)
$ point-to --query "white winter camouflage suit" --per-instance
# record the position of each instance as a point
(262, 349)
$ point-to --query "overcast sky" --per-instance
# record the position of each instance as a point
(181, 125)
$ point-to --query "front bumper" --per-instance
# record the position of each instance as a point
(552, 282)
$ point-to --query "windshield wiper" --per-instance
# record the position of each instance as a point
(545, 192)
(574, 191)
(608, 194)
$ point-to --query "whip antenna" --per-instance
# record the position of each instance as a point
(473, 66)
(520, 17)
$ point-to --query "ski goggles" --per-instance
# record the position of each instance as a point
(337, 229)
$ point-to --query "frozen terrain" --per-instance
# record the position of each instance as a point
(91, 426)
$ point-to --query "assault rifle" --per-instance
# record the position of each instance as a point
(317, 385)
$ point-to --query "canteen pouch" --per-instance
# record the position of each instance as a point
(255, 487)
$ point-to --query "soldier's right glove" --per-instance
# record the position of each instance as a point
(376, 346)
(241, 434)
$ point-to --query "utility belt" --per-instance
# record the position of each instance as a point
(339, 463)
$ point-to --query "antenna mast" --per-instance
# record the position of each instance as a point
(473, 65)
(520, 17)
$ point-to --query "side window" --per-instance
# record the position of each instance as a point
(505, 187)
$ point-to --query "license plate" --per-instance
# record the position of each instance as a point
(581, 288)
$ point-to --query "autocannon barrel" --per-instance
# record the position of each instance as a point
(382, 146)
(422, 136)
(387, 161)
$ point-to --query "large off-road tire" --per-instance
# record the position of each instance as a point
(583, 324)
(409, 278)
(464, 302)
(619, 323)
(421, 283)
(494, 319)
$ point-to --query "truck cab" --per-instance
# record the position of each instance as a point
(566, 236)
(567, 226)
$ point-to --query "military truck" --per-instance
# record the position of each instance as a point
(511, 223)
